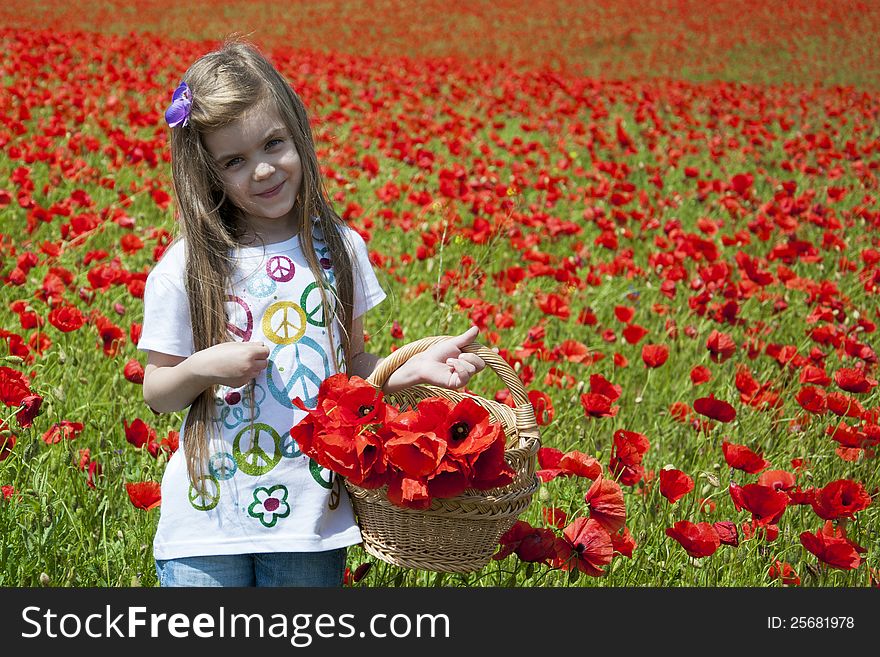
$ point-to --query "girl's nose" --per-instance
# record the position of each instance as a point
(263, 171)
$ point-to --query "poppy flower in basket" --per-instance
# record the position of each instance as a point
(340, 432)
(437, 449)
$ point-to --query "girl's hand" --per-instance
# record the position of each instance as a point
(443, 365)
(231, 364)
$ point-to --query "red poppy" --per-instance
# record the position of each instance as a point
(450, 478)
(777, 479)
(414, 449)
(466, 426)
(578, 464)
(629, 447)
(840, 499)
(783, 570)
(799, 496)
(720, 345)
(553, 304)
(633, 333)
(511, 539)
(628, 475)
(7, 441)
(605, 502)
(717, 409)
(543, 407)
(133, 371)
(680, 411)
(111, 335)
(700, 374)
(529, 543)
(623, 543)
(304, 433)
(145, 495)
(489, 468)
(675, 484)
(408, 492)
(624, 313)
(66, 318)
(574, 351)
(344, 400)
(847, 436)
(168, 445)
(654, 355)
(590, 547)
(138, 433)
(742, 458)
(844, 405)
(30, 408)
(335, 450)
(14, 386)
(854, 380)
(541, 545)
(370, 459)
(698, 539)
(727, 532)
(769, 532)
(764, 503)
(836, 552)
(596, 405)
(63, 430)
(812, 399)
(554, 516)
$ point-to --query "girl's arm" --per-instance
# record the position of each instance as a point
(172, 383)
(443, 364)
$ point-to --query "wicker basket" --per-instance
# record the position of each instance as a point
(456, 534)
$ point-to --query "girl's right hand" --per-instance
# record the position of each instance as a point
(232, 364)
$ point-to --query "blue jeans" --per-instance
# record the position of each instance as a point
(320, 569)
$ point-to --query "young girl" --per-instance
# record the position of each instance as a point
(260, 300)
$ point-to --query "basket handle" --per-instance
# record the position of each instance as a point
(495, 362)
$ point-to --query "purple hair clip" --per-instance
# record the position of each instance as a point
(177, 113)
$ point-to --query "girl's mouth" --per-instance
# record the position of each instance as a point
(271, 192)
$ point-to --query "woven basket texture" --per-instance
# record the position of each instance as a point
(456, 534)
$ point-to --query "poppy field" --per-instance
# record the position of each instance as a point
(666, 220)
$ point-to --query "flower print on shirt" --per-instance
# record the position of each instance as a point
(269, 505)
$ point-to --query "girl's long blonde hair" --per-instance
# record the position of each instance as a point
(223, 85)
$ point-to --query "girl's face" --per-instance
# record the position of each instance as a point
(261, 171)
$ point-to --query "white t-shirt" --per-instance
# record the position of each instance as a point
(262, 494)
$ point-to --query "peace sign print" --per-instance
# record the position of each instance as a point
(310, 301)
(222, 466)
(335, 493)
(284, 322)
(302, 382)
(322, 475)
(206, 496)
(252, 459)
(280, 268)
(289, 447)
(240, 318)
(261, 286)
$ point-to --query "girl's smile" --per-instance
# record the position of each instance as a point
(273, 191)
(261, 171)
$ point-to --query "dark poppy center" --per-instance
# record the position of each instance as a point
(364, 411)
(271, 504)
(459, 431)
(580, 548)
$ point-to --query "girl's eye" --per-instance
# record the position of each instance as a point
(273, 142)
(231, 163)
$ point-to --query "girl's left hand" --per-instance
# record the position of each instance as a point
(442, 364)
